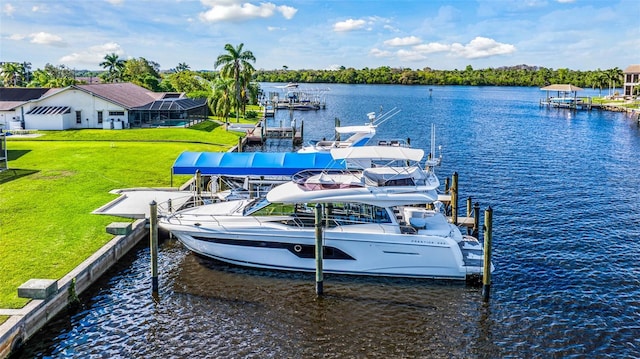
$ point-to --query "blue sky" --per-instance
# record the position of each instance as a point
(310, 34)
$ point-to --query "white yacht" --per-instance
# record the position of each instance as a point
(358, 135)
(378, 219)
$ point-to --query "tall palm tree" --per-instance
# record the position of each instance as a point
(236, 65)
(114, 66)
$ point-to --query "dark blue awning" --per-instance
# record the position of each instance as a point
(253, 163)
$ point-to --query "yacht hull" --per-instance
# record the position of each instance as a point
(357, 250)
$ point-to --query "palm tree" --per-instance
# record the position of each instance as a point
(236, 65)
(12, 73)
(614, 75)
(222, 99)
(182, 66)
(114, 66)
(598, 79)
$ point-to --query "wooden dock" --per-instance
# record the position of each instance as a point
(260, 134)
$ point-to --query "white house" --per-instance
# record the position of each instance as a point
(106, 106)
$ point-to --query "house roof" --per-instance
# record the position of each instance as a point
(632, 69)
(562, 88)
(125, 94)
(12, 97)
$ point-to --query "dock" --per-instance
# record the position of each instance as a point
(262, 133)
(566, 97)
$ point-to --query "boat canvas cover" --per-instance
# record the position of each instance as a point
(253, 163)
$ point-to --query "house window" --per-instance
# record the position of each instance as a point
(78, 116)
(99, 116)
(116, 113)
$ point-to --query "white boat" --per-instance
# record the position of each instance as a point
(375, 222)
(359, 135)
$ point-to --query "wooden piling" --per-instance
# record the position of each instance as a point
(153, 245)
(336, 123)
(486, 272)
(476, 219)
(454, 198)
(319, 276)
(239, 144)
(198, 187)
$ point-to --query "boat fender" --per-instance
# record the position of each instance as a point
(297, 248)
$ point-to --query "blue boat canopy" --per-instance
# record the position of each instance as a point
(253, 163)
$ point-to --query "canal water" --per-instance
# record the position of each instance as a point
(565, 190)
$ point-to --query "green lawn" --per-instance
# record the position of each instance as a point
(57, 179)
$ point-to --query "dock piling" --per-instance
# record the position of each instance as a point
(198, 187)
(319, 248)
(153, 229)
(476, 219)
(486, 273)
(454, 198)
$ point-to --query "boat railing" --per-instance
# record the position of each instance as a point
(307, 220)
(302, 176)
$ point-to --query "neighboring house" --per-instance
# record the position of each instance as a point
(631, 79)
(14, 103)
(107, 106)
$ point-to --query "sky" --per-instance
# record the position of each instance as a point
(325, 34)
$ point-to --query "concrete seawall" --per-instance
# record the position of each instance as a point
(26, 321)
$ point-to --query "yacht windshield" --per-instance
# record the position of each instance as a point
(256, 205)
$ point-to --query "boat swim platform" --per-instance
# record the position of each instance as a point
(135, 202)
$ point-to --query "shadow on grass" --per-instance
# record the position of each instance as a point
(13, 155)
(14, 173)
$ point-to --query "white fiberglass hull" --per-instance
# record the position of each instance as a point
(367, 249)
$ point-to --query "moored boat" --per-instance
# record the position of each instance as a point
(379, 219)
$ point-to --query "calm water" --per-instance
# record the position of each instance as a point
(565, 191)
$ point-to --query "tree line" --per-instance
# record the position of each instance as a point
(233, 82)
(521, 75)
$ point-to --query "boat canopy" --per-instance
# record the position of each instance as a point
(252, 163)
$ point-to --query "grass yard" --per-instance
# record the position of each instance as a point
(57, 179)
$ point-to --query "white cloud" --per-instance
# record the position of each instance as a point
(403, 41)
(349, 25)
(17, 37)
(482, 47)
(8, 9)
(287, 11)
(229, 10)
(431, 48)
(410, 55)
(380, 53)
(44, 38)
(93, 55)
(115, 2)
